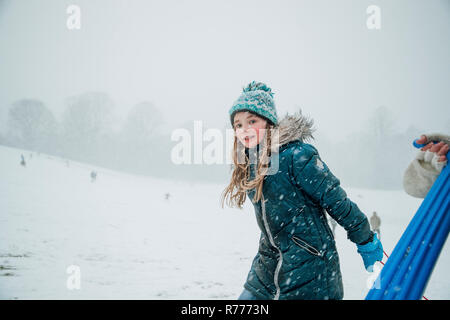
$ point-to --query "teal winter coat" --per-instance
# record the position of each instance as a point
(297, 256)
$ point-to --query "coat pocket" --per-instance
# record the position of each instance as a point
(306, 246)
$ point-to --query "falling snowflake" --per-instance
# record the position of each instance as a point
(319, 164)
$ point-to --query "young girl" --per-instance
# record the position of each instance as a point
(297, 256)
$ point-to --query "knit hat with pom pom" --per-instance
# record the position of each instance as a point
(256, 98)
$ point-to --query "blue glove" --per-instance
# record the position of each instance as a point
(371, 252)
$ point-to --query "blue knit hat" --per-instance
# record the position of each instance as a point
(256, 98)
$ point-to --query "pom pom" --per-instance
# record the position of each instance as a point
(253, 86)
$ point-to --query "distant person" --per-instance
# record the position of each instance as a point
(22, 162)
(167, 196)
(375, 223)
(427, 165)
(93, 176)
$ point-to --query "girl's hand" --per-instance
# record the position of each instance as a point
(371, 252)
(440, 148)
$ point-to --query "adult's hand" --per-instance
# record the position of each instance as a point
(440, 148)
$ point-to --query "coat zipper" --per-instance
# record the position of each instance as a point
(280, 261)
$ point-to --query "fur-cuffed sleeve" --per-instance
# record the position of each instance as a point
(424, 169)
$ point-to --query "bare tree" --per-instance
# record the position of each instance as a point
(31, 125)
(380, 123)
(142, 122)
(140, 138)
(86, 120)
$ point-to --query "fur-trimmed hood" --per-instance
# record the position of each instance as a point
(290, 128)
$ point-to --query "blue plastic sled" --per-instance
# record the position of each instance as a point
(406, 272)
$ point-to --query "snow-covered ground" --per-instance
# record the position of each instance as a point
(129, 242)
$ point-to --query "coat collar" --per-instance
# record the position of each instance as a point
(295, 127)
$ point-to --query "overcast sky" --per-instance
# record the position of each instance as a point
(192, 58)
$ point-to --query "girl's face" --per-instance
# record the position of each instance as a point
(248, 127)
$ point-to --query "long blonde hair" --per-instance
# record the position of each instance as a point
(235, 192)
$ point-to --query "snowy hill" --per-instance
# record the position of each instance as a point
(129, 242)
